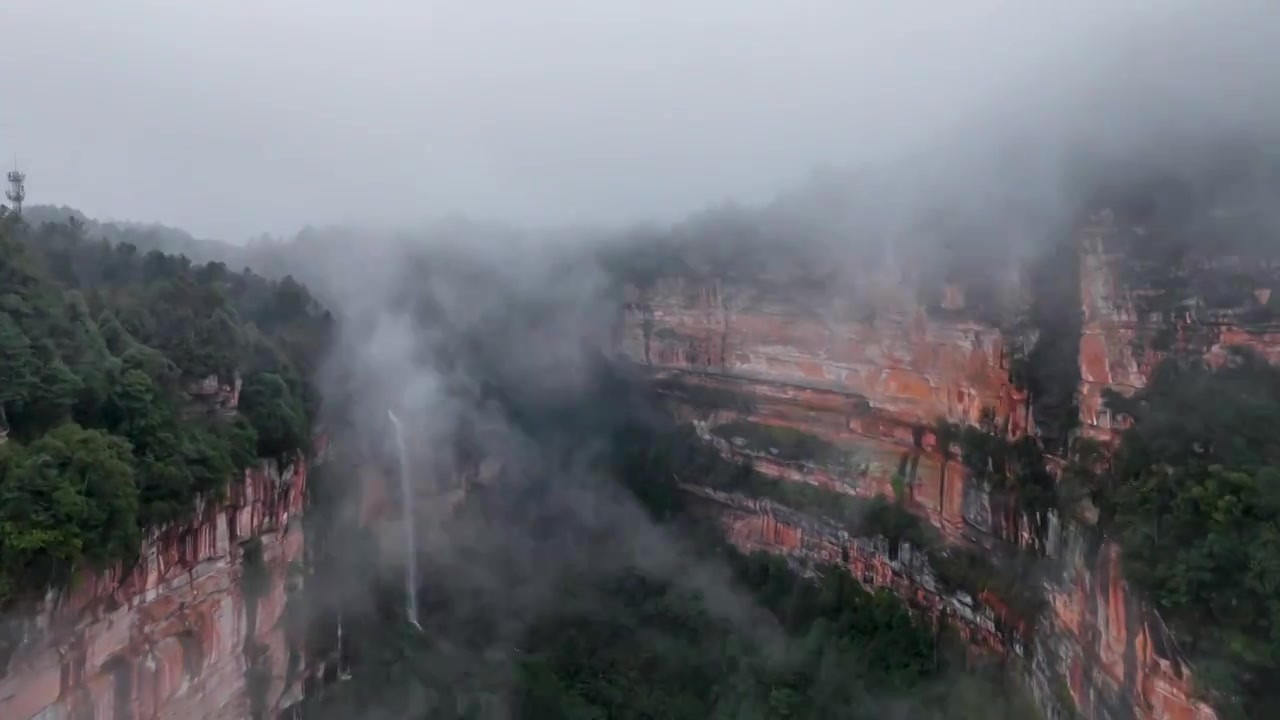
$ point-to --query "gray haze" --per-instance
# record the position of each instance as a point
(238, 117)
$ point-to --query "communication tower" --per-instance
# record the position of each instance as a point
(17, 191)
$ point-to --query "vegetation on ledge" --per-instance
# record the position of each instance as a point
(102, 350)
(1193, 496)
(784, 443)
(663, 459)
(1013, 469)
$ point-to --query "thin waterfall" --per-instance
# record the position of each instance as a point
(410, 544)
(340, 649)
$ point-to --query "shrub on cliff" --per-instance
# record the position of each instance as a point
(276, 414)
(66, 499)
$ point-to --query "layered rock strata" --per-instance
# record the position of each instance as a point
(180, 633)
(1139, 308)
(753, 524)
(871, 385)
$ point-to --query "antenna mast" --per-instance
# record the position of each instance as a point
(17, 191)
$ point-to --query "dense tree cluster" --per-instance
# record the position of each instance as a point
(102, 353)
(638, 647)
(622, 643)
(1193, 495)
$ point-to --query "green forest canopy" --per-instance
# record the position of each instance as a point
(101, 350)
(1193, 495)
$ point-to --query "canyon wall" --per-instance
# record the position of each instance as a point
(179, 634)
(1143, 301)
(753, 524)
(867, 383)
(203, 626)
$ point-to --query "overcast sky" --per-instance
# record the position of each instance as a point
(235, 117)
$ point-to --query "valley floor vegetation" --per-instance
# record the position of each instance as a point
(627, 642)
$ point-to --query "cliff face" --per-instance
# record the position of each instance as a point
(198, 628)
(868, 382)
(872, 380)
(752, 524)
(1144, 300)
(915, 366)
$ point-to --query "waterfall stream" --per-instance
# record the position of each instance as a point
(410, 544)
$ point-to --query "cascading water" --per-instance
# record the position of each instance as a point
(342, 673)
(411, 546)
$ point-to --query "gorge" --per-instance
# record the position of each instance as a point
(731, 360)
(853, 407)
(784, 478)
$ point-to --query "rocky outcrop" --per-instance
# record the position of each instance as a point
(197, 628)
(216, 395)
(1102, 644)
(867, 383)
(874, 383)
(753, 524)
(914, 366)
(1111, 356)
(1096, 650)
(1143, 302)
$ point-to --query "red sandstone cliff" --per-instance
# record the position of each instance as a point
(1131, 321)
(914, 366)
(754, 524)
(167, 637)
(873, 382)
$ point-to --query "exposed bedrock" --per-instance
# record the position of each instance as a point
(864, 387)
(197, 628)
